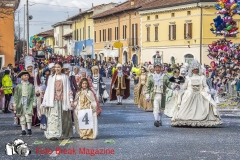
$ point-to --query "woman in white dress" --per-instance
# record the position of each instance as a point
(197, 108)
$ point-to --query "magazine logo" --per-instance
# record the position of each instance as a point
(17, 146)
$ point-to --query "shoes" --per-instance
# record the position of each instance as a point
(158, 123)
(54, 139)
(29, 132)
(7, 111)
(23, 133)
(118, 103)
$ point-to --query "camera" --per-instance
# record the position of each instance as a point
(19, 147)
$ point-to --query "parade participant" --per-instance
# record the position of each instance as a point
(75, 80)
(139, 89)
(34, 79)
(156, 87)
(7, 87)
(24, 102)
(97, 81)
(56, 100)
(120, 85)
(197, 108)
(177, 91)
(51, 66)
(85, 100)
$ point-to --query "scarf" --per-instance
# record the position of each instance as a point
(158, 79)
(120, 73)
(48, 100)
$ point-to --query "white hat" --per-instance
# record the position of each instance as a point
(119, 65)
(51, 65)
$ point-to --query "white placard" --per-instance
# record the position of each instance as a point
(85, 119)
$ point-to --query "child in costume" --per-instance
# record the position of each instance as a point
(84, 99)
(24, 101)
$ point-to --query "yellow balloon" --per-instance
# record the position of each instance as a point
(233, 6)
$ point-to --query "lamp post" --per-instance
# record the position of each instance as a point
(27, 15)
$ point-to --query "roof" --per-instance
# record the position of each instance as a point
(62, 23)
(124, 7)
(48, 33)
(87, 11)
(170, 3)
(68, 35)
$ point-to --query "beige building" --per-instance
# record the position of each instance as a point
(117, 33)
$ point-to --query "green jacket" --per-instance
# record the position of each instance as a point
(30, 100)
(150, 89)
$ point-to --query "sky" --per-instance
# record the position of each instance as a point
(45, 13)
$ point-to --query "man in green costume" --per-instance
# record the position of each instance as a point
(156, 92)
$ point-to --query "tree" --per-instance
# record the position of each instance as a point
(6, 8)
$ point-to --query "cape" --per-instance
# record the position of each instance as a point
(113, 91)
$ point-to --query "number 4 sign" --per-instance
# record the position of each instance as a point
(85, 119)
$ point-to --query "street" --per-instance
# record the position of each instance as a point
(130, 134)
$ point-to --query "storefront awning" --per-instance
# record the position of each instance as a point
(86, 51)
(113, 53)
(104, 52)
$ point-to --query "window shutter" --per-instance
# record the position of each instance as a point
(125, 32)
(132, 35)
(185, 27)
(169, 32)
(190, 30)
(136, 33)
(174, 32)
(115, 33)
(110, 34)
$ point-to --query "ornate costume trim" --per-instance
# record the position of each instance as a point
(197, 123)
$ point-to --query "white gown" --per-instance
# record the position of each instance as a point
(197, 107)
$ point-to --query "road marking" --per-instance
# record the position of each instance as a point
(63, 143)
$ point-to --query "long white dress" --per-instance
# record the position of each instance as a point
(197, 107)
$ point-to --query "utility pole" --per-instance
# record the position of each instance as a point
(27, 28)
(24, 34)
(19, 48)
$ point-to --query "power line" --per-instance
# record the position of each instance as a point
(56, 5)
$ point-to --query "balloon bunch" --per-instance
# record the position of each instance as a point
(225, 25)
(224, 52)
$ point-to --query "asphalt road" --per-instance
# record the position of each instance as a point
(132, 135)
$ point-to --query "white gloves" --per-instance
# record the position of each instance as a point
(113, 87)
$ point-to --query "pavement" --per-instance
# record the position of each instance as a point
(127, 133)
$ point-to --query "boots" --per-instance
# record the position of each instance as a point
(6, 107)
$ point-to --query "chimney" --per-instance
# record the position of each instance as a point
(132, 2)
(80, 10)
(42, 29)
(92, 4)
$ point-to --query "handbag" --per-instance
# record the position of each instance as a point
(233, 82)
(105, 95)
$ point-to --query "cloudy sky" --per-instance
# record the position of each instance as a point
(47, 12)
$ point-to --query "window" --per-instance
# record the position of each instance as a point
(104, 34)
(156, 16)
(148, 17)
(109, 34)
(124, 32)
(156, 33)
(172, 32)
(116, 33)
(188, 58)
(80, 34)
(188, 13)
(100, 36)
(70, 26)
(88, 32)
(135, 13)
(188, 31)
(148, 34)
(95, 36)
(134, 34)
(77, 34)
(173, 15)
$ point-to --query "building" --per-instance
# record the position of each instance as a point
(62, 38)
(83, 31)
(49, 38)
(179, 30)
(117, 33)
(7, 51)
